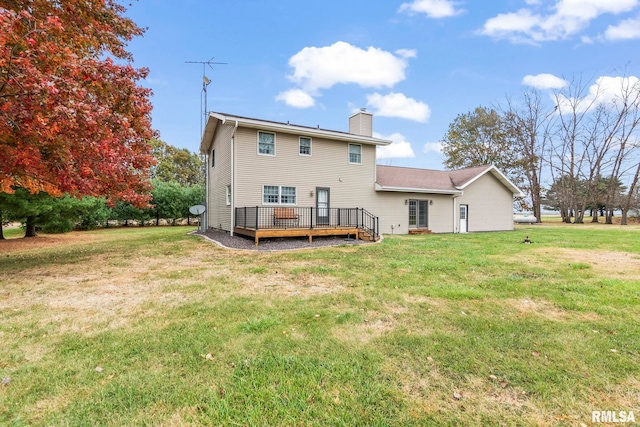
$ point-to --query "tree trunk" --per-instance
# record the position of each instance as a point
(30, 229)
(623, 218)
(594, 215)
(609, 219)
(1, 230)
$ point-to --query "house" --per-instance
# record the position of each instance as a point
(267, 178)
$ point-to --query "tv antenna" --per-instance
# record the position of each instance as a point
(205, 82)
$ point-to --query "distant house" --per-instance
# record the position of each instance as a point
(268, 178)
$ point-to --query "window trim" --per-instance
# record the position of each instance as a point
(279, 202)
(228, 194)
(349, 154)
(300, 146)
(258, 143)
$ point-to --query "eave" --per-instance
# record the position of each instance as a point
(215, 118)
(418, 190)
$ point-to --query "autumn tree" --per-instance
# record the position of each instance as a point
(480, 138)
(73, 118)
(176, 164)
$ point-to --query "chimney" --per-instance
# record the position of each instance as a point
(361, 123)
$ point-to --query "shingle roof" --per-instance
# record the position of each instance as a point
(394, 178)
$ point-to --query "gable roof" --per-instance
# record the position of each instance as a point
(215, 119)
(395, 178)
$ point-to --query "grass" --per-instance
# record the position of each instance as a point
(151, 326)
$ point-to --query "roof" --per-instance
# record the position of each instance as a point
(395, 178)
(215, 119)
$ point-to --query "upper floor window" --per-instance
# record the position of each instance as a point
(267, 143)
(305, 146)
(355, 153)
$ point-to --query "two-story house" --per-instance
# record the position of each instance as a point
(268, 178)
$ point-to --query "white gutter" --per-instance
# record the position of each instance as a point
(302, 130)
(417, 190)
(233, 179)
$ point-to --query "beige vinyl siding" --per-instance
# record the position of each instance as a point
(219, 213)
(350, 185)
(490, 205)
(391, 209)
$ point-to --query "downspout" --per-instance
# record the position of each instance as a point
(233, 180)
(205, 216)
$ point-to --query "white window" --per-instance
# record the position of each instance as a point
(355, 154)
(305, 146)
(267, 143)
(288, 195)
(228, 195)
(278, 195)
(271, 195)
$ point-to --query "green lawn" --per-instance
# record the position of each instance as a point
(151, 326)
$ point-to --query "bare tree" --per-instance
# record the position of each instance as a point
(528, 122)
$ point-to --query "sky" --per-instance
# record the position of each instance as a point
(415, 65)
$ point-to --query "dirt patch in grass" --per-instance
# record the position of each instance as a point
(42, 241)
(609, 263)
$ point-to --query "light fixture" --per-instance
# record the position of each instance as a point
(311, 193)
(206, 80)
(406, 201)
(431, 202)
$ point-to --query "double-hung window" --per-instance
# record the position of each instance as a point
(355, 154)
(278, 195)
(305, 146)
(266, 143)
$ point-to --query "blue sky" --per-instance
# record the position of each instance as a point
(415, 65)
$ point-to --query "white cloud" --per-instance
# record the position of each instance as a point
(296, 98)
(399, 148)
(608, 90)
(544, 81)
(431, 8)
(432, 146)
(568, 18)
(316, 68)
(626, 30)
(398, 105)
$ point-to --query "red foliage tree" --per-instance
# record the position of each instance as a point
(73, 118)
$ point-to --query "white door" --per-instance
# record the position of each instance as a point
(464, 214)
(322, 205)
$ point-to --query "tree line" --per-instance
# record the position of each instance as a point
(575, 150)
(177, 183)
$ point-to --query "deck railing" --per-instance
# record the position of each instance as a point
(260, 218)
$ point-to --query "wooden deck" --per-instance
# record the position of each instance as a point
(299, 232)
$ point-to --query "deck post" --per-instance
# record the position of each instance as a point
(311, 217)
(338, 217)
(257, 223)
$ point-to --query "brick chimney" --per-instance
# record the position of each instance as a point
(361, 123)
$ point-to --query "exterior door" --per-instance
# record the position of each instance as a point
(422, 213)
(322, 206)
(464, 217)
(418, 214)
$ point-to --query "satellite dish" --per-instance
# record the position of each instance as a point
(197, 209)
